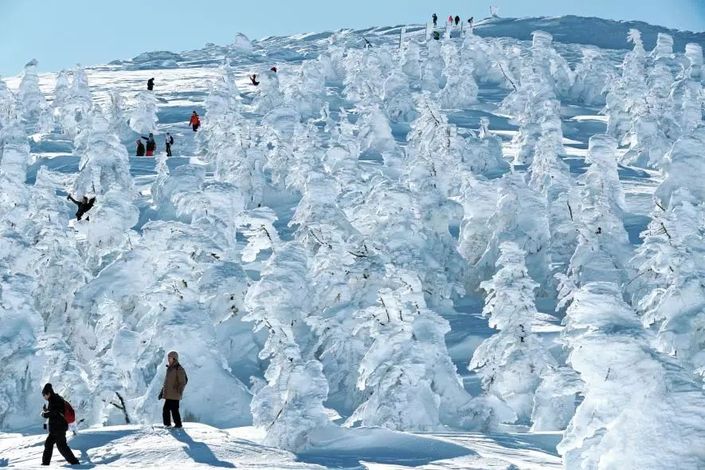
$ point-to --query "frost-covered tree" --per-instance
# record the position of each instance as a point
(519, 216)
(407, 374)
(143, 118)
(639, 406)
(511, 362)
(20, 368)
(72, 102)
(626, 95)
(592, 76)
(289, 405)
(104, 173)
(397, 100)
(551, 177)
(667, 288)
(117, 116)
(550, 64)
(460, 90)
(7, 105)
(603, 248)
(31, 103)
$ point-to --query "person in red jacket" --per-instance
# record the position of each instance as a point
(195, 121)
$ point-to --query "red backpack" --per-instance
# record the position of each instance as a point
(69, 413)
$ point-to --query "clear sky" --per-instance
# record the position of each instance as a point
(61, 33)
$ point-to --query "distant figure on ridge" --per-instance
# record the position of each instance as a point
(168, 142)
(58, 426)
(195, 121)
(84, 205)
(253, 79)
(450, 20)
(150, 84)
(151, 145)
(457, 20)
(434, 17)
(470, 21)
(140, 148)
(273, 69)
(173, 390)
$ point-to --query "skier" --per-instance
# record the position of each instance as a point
(84, 205)
(434, 17)
(173, 390)
(168, 142)
(195, 122)
(457, 20)
(151, 145)
(140, 148)
(57, 427)
(150, 84)
(253, 79)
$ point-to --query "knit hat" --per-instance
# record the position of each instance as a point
(47, 390)
(173, 354)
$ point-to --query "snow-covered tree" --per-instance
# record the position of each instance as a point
(511, 362)
(143, 118)
(639, 407)
(289, 405)
(31, 103)
(592, 76)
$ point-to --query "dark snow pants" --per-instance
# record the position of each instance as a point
(171, 408)
(60, 440)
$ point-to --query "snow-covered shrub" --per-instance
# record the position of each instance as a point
(511, 362)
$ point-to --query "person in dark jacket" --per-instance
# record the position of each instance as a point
(168, 142)
(434, 17)
(457, 20)
(173, 390)
(84, 205)
(150, 84)
(253, 79)
(140, 148)
(54, 412)
(151, 145)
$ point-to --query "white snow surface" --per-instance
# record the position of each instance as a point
(320, 252)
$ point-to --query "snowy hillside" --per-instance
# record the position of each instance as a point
(482, 251)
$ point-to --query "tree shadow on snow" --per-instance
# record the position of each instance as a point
(200, 452)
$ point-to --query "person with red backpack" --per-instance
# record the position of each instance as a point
(60, 414)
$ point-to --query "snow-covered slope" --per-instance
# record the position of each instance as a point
(403, 255)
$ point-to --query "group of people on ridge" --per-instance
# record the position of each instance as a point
(451, 20)
(60, 414)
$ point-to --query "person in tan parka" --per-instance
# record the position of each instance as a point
(173, 390)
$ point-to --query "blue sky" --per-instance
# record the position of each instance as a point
(61, 33)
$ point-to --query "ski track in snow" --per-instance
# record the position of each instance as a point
(182, 90)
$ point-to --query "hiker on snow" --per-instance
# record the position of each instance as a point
(195, 121)
(457, 20)
(434, 17)
(253, 79)
(151, 144)
(84, 205)
(470, 22)
(58, 426)
(168, 142)
(450, 19)
(173, 390)
(150, 84)
(140, 148)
